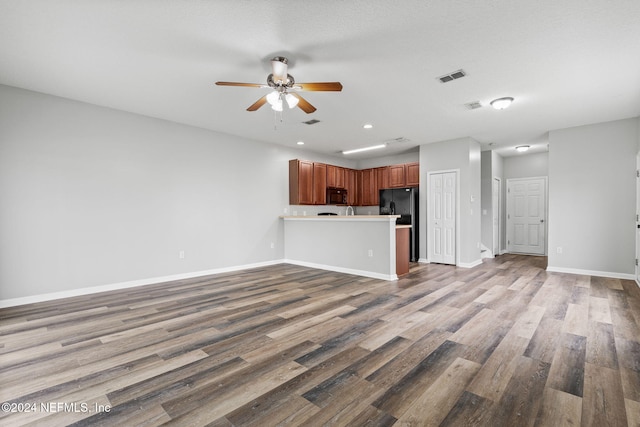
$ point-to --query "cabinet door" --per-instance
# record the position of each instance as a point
(300, 182)
(396, 176)
(319, 184)
(369, 187)
(335, 177)
(382, 177)
(351, 186)
(412, 174)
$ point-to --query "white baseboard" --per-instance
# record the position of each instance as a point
(423, 260)
(12, 302)
(609, 274)
(470, 264)
(364, 273)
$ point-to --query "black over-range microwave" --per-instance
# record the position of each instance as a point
(336, 196)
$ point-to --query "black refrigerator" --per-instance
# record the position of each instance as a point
(403, 202)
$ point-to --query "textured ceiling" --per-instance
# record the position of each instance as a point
(566, 63)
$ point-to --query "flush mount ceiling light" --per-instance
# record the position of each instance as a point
(300, 142)
(501, 103)
(522, 148)
(359, 150)
(367, 126)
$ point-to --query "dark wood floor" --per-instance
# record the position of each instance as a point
(502, 344)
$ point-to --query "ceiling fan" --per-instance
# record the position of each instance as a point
(284, 88)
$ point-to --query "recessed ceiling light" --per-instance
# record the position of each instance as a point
(367, 126)
(300, 142)
(501, 103)
(522, 148)
(358, 150)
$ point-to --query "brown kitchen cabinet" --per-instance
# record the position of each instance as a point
(402, 250)
(382, 176)
(412, 171)
(319, 184)
(369, 189)
(397, 176)
(351, 184)
(307, 183)
(336, 177)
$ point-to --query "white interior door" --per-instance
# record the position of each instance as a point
(526, 215)
(496, 195)
(442, 218)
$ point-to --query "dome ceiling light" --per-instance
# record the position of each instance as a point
(502, 103)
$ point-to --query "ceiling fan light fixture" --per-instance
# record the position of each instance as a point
(292, 101)
(502, 103)
(277, 106)
(273, 98)
(279, 67)
(359, 150)
(522, 148)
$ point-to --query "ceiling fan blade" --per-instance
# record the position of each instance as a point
(304, 104)
(240, 84)
(259, 103)
(321, 86)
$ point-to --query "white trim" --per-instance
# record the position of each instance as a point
(12, 302)
(364, 273)
(470, 264)
(423, 261)
(591, 273)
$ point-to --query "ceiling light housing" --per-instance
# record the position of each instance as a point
(359, 150)
(367, 126)
(502, 103)
(522, 148)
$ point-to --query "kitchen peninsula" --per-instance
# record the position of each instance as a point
(364, 245)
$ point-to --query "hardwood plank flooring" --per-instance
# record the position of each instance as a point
(502, 344)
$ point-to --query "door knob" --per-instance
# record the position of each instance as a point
(542, 220)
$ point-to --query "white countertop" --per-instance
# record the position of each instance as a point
(352, 217)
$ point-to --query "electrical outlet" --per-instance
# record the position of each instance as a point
(286, 211)
(370, 252)
(559, 249)
(273, 245)
(181, 254)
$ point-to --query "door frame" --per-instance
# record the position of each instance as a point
(499, 214)
(457, 214)
(546, 213)
(637, 230)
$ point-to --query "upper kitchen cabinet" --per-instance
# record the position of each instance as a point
(382, 177)
(319, 183)
(397, 176)
(412, 171)
(336, 177)
(369, 188)
(351, 184)
(307, 182)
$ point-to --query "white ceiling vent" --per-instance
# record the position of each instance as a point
(311, 122)
(473, 105)
(452, 76)
(400, 139)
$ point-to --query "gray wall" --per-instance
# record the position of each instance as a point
(92, 196)
(463, 154)
(592, 189)
(526, 165)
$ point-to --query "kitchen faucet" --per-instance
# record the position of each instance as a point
(349, 207)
